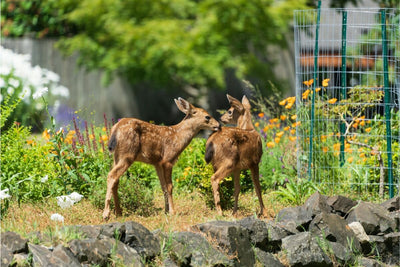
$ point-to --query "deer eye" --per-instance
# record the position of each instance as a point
(229, 112)
(208, 118)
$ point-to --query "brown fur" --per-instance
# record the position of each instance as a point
(135, 140)
(232, 149)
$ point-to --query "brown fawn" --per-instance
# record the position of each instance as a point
(232, 149)
(135, 140)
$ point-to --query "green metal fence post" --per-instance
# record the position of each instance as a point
(343, 84)
(387, 103)
(313, 89)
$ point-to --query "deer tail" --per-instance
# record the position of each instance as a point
(113, 142)
(209, 152)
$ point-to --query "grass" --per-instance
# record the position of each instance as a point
(191, 209)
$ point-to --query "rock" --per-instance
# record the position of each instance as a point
(392, 204)
(100, 250)
(303, 250)
(6, 256)
(367, 262)
(341, 204)
(295, 218)
(14, 242)
(342, 254)
(335, 229)
(232, 237)
(113, 230)
(21, 259)
(316, 204)
(41, 255)
(193, 249)
(267, 259)
(276, 232)
(374, 218)
(168, 262)
(62, 256)
(89, 231)
(141, 239)
(359, 232)
(258, 231)
(386, 247)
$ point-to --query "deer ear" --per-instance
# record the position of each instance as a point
(246, 103)
(183, 105)
(235, 103)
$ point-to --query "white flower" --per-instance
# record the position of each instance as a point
(65, 202)
(60, 91)
(13, 82)
(44, 179)
(40, 92)
(76, 197)
(57, 217)
(4, 194)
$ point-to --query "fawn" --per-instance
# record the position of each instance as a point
(135, 140)
(231, 150)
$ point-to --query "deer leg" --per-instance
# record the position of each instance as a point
(161, 177)
(256, 180)
(218, 176)
(236, 180)
(168, 183)
(112, 186)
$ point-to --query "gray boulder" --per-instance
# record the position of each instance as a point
(303, 250)
(335, 229)
(14, 242)
(102, 250)
(6, 256)
(276, 232)
(294, 219)
(60, 256)
(193, 249)
(231, 237)
(141, 239)
(258, 231)
(340, 204)
(392, 204)
(316, 204)
(373, 217)
(267, 259)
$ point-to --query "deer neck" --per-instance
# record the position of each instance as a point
(244, 122)
(185, 131)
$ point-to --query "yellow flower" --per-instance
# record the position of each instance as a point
(325, 82)
(293, 131)
(332, 101)
(104, 129)
(296, 124)
(289, 106)
(323, 138)
(291, 99)
(286, 128)
(266, 128)
(309, 82)
(336, 147)
(368, 129)
(317, 89)
(30, 142)
(283, 102)
(294, 117)
(104, 137)
(257, 124)
(280, 134)
(362, 155)
(306, 93)
(350, 160)
(325, 149)
(261, 115)
(274, 120)
(283, 117)
(277, 139)
(292, 138)
(270, 144)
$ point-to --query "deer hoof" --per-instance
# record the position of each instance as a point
(106, 215)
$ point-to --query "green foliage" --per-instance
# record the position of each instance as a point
(296, 191)
(39, 18)
(177, 43)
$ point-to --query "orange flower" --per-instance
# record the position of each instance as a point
(296, 124)
(266, 128)
(368, 129)
(30, 142)
(261, 115)
(350, 160)
(325, 82)
(270, 144)
(104, 137)
(283, 117)
(309, 82)
(294, 117)
(292, 138)
(277, 140)
(283, 102)
(289, 106)
(286, 128)
(325, 149)
(274, 120)
(323, 138)
(279, 134)
(317, 89)
(257, 124)
(293, 131)
(332, 101)
(46, 134)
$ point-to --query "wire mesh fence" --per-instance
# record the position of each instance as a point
(348, 99)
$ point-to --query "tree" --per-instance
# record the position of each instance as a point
(178, 43)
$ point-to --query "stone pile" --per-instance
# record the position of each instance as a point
(325, 231)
